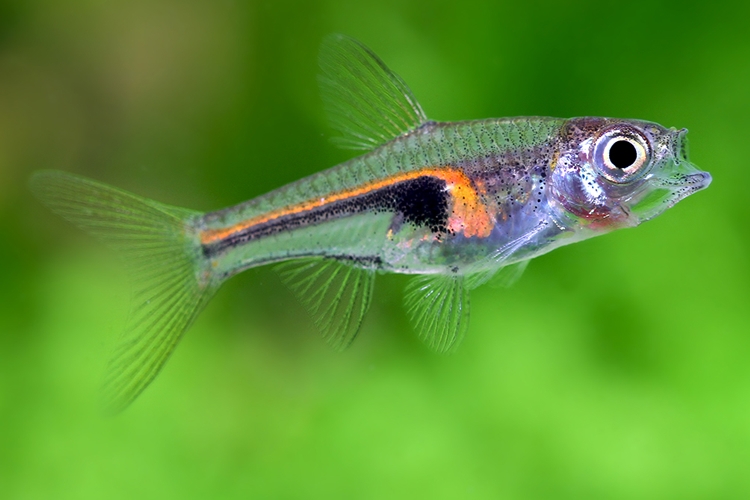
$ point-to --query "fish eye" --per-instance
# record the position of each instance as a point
(621, 154)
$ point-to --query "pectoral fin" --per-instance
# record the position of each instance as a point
(508, 275)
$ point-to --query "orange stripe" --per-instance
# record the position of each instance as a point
(468, 215)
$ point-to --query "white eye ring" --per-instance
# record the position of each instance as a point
(621, 154)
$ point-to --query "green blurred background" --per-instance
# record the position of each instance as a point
(616, 368)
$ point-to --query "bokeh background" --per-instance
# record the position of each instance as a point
(616, 368)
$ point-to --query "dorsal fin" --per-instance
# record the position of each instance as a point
(365, 101)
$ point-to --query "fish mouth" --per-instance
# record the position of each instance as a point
(667, 192)
(684, 185)
(671, 183)
(691, 184)
(702, 178)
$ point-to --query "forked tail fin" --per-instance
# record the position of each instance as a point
(172, 281)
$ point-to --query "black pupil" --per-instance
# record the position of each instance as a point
(622, 154)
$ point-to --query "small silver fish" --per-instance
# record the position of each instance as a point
(458, 204)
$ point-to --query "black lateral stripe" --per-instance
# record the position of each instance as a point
(423, 202)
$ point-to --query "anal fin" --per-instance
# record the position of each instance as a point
(336, 294)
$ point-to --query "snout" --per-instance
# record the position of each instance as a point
(700, 179)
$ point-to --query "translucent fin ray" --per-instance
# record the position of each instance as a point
(494, 264)
(337, 295)
(506, 276)
(438, 308)
(365, 101)
(171, 281)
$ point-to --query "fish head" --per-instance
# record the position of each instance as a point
(611, 173)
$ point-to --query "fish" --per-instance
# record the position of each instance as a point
(456, 204)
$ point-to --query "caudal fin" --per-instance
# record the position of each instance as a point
(171, 279)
